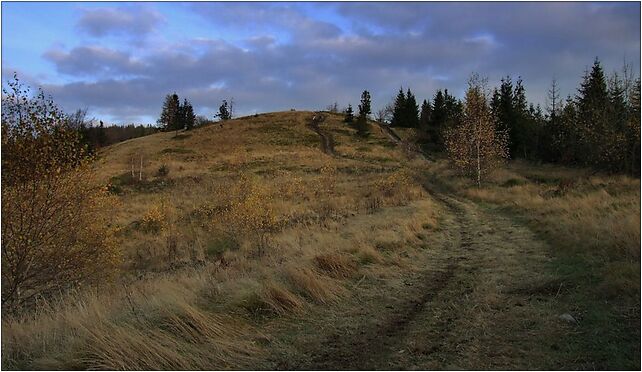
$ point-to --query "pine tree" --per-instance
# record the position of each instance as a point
(349, 117)
(224, 111)
(437, 119)
(188, 115)
(364, 107)
(411, 111)
(424, 116)
(633, 129)
(399, 109)
(592, 116)
(364, 111)
(170, 115)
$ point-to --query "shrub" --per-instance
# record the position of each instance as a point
(250, 213)
(162, 171)
(55, 233)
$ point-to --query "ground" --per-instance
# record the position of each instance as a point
(281, 242)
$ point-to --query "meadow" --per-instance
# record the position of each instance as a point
(245, 245)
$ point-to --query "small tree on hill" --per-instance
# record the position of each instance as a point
(349, 117)
(364, 107)
(474, 146)
(364, 112)
(224, 111)
(399, 108)
(170, 118)
(189, 119)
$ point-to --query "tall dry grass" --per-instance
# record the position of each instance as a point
(195, 294)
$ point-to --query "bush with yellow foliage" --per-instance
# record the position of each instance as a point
(54, 232)
(250, 213)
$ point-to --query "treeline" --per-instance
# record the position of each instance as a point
(94, 136)
(598, 127)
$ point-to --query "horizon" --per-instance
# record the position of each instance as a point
(119, 60)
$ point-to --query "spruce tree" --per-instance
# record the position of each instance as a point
(364, 107)
(224, 111)
(188, 115)
(399, 109)
(411, 111)
(349, 117)
(592, 116)
(364, 111)
(437, 119)
(424, 116)
(170, 114)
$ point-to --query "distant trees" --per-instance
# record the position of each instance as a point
(475, 145)
(598, 127)
(445, 113)
(349, 114)
(54, 232)
(176, 116)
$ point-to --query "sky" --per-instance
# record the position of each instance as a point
(119, 60)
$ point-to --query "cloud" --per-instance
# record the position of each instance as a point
(130, 21)
(289, 58)
(93, 61)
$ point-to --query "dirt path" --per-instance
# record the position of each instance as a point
(327, 142)
(482, 302)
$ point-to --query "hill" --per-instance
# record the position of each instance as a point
(272, 242)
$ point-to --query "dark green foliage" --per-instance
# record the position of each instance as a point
(363, 130)
(399, 109)
(187, 115)
(364, 107)
(424, 116)
(446, 112)
(162, 171)
(405, 112)
(349, 117)
(224, 111)
(170, 118)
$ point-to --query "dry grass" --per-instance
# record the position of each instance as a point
(193, 282)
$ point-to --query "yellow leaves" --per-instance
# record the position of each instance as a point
(250, 211)
(155, 220)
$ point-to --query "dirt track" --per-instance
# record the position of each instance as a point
(481, 303)
(327, 142)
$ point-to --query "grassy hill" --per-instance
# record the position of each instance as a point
(249, 245)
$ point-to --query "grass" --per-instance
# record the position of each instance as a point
(593, 227)
(192, 282)
(349, 239)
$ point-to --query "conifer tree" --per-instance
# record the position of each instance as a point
(411, 111)
(349, 117)
(364, 108)
(170, 114)
(399, 109)
(188, 116)
(592, 116)
(224, 111)
(364, 111)
(424, 116)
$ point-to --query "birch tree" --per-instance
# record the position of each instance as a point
(475, 146)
